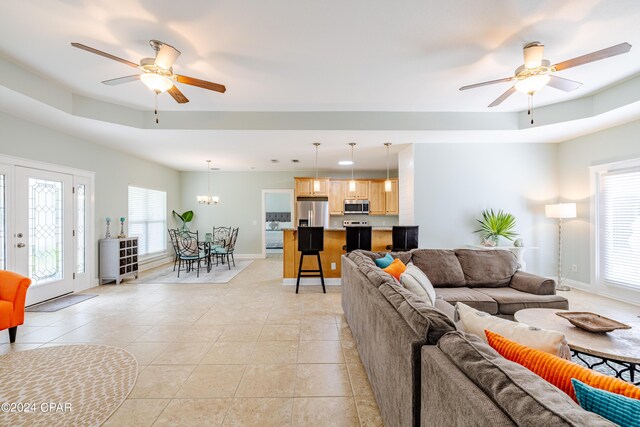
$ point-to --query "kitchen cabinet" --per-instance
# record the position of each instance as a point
(336, 197)
(361, 192)
(304, 187)
(392, 204)
(377, 198)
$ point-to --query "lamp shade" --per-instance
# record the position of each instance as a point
(560, 210)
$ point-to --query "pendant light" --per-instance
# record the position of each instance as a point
(352, 183)
(316, 182)
(387, 183)
(208, 199)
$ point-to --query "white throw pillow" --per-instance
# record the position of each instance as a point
(417, 282)
(475, 322)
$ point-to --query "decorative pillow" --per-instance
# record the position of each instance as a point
(557, 371)
(621, 410)
(475, 322)
(417, 282)
(385, 261)
(396, 268)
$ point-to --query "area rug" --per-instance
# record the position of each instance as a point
(60, 303)
(72, 385)
(218, 275)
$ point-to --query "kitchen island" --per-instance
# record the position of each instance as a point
(334, 241)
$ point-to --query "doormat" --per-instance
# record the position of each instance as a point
(60, 303)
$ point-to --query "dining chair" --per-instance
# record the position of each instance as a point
(227, 251)
(190, 251)
(221, 235)
(173, 236)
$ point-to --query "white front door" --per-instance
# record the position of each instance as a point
(43, 234)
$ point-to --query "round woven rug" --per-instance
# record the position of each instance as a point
(74, 385)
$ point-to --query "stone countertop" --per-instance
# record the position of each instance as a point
(343, 229)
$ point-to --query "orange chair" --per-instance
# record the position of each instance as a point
(13, 293)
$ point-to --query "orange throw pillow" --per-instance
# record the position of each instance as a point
(396, 268)
(558, 371)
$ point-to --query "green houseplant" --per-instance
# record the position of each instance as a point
(186, 218)
(496, 224)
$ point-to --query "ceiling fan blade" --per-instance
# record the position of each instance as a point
(502, 97)
(166, 56)
(490, 82)
(177, 95)
(533, 54)
(121, 80)
(105, 54)
(563, 84)
(201, 83)
(593, 56)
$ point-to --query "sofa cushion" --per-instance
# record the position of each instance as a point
(510, 300)
(487, 268)
(396, 268)
(417, 282)
(525, 397)
(425, 320)
(557, 371)
(440, 265)
(475, 322)
(404, 256)
(384, 262)
(367, 266)
(471, 297)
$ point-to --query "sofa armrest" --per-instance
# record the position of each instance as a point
(533, 284)
(13, 288)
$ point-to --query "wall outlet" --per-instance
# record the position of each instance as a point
(574, 268)
(333, 265)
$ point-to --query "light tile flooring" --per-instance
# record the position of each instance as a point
(250, 352)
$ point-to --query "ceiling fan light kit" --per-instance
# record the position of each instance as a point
(156, 82)
(537, 72)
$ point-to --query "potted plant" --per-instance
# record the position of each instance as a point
(496, 224)
(186, 218)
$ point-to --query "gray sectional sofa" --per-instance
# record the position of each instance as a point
(421, 370)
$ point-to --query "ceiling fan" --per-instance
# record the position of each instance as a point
(536, 72)
(157, 73)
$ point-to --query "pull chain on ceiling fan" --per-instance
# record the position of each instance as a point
(537, 72)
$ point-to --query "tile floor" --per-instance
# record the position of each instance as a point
(250, 352)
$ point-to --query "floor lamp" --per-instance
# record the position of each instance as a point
(560, 211)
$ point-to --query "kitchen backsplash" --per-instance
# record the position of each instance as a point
(375, 221)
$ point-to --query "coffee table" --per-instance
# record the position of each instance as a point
(619, 349)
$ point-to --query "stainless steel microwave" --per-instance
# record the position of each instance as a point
(352, 207)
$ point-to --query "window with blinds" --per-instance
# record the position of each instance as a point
(148, 220)
(619, 227)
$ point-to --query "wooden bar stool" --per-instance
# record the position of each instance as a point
(310, 242)
(404, 237)
(358, 238)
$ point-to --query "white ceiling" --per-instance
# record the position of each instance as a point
(291, 56)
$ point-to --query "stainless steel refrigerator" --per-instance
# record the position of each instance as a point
(313, 212)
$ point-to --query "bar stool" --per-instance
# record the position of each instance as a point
(358, 238)
(404, 237)
(310, 242)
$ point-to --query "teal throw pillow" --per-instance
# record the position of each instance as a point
(385, 261)
(617, 408)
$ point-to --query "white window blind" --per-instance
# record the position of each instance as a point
(148, 219)
(619, 219)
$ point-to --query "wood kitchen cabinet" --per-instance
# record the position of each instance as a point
(361, 193)
(377, 198)
(392, 199)
(336, 197)
(304, 187)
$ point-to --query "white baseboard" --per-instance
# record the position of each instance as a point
(587, 287)
(312, 281)
(144, 266)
